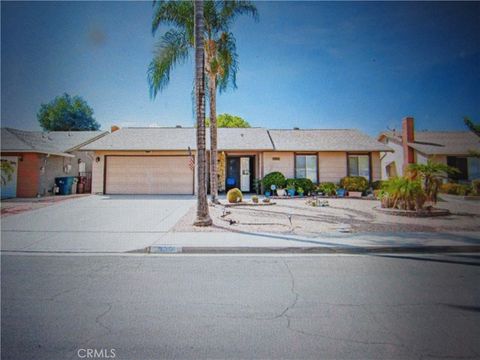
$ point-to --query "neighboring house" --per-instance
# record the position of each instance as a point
(39, 157)
(448, 147)
(159, 160)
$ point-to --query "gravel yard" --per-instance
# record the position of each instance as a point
(294, 216)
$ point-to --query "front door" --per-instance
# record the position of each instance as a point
(240, 172)
(233, 173)
(245, 174)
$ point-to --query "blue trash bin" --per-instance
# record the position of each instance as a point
(64, 184)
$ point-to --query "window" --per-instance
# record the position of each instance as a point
(359, 165)
(473, 168)
(461, 164)
(306, 167)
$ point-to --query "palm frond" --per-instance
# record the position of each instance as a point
(230, 9)
(172, 49)
(227, 58)
(474, 127)
(176, 13)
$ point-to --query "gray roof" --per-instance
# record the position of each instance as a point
(162, 138)
(442, 142)
(54, 142)
(325, 140)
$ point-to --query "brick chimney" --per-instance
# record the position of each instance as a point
(114, 128)
(408, 136)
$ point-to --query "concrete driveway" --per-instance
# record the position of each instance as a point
(94, 224)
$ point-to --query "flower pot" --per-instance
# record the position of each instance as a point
(356, 194)
(281, 192)
(291, 192)
(267, 193)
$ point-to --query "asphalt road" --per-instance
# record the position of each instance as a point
(192, 307)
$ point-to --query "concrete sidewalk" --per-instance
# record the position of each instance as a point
(123, 241)
(242, 242)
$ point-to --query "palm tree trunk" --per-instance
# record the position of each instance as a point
(203, 218)
(213, 140)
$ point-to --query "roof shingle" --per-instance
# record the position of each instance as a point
(238, 139)
(325, 140)
(441, 142)
(54, 142)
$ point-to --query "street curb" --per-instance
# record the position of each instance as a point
(306, 250)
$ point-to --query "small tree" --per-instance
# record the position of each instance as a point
(431, 174)
(230, 121)
(475, 128)
(66, 113)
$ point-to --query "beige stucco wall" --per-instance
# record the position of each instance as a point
(395, 157)
(332, 166)
(285, 164)
(98, 167)
(376, 166)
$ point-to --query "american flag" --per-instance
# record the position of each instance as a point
(191, 160)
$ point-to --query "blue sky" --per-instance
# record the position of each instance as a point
(308, 64)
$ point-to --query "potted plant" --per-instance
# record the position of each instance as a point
(327, 189)
(355, 185)
(280, 191)
(300, 191)
(291, 190)
(274, 179)
(340, 192)
(255, 199)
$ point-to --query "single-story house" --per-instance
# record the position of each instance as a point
(39, 157)
(453, 148)
(159, 160)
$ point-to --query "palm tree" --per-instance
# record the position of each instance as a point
(220, 53)
(431, 174)
(203, 218)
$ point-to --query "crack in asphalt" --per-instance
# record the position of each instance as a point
(292, 290)
(97, 319)
(302, 332)
(55, 296)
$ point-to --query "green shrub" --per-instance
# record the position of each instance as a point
(354, 183)
(377, 194)
(402, 193)
(327, 188)
(377, 185)
(476, 187)
(306, 184)
(455, 189)
(234, 195)
(274, 178)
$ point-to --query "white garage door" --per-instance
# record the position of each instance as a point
(148, 175)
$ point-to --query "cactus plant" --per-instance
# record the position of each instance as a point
(234, 195)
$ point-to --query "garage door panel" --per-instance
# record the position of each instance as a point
(148, 175)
